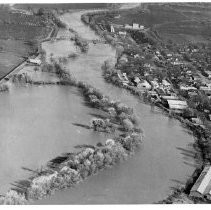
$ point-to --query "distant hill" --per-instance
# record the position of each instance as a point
(63, 6)
(179, 22)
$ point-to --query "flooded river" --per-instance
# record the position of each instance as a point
(164, 160)
(36, 124)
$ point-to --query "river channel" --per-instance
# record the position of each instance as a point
(37, 124)
(165, 159)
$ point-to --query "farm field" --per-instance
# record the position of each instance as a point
(16, 30)
(12, 53)
(147, 15)
(63, 6)
(23, 32)
(13, 17)
(177, 22)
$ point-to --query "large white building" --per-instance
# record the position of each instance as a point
(35, 61)
(202, 187)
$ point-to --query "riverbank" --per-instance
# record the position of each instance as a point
(111, 76)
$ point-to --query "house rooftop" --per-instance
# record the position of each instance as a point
(203, 183)
(177, 104)
(170, 97)
(35, 61)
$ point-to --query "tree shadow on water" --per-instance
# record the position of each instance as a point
(21, 186)
(82, 125)
(190, 156)
(98, 115)
(178, 182)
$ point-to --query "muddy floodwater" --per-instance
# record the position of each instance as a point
(165, 159)
(37, 124)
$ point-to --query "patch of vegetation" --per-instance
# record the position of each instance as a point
(4, 87)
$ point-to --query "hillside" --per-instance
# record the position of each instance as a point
(181, 22)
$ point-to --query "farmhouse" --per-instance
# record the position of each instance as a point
(136, 80)
(169, 97)
(35, 61)
(123, 77)
(122, 33)
(166, 84)
(127, 26)
(135, 26)
(154, 84)
(144, 85)
(206, 89)
(202, 187)
(182, 87)
(196, 121)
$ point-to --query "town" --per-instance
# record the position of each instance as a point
(175, 77)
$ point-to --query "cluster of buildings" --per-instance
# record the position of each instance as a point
(186, 74)
(134, 26)
(202, 186)
(34, 61)
(122, 29)
(186, 80)
(162, 93)
(181, 73)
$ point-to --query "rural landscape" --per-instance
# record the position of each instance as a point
(105, 103)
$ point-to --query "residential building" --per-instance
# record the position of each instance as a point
(166, 84)
(122, 33)
(144, 84)
(177, 105)
(35, 61)
(202, 187)
(135, 26)
(182, 87)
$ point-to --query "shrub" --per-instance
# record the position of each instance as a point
(131, 142)
(99, 159)
(41, 186)
(70, 176)
(47, 67)
(97, 123)
(120, 107)
(72, 55)
(112, 112)
(21, 78)
(102, 125)
(63, 59)
(4, 87)
(13, 198)
(83, 44)
(127, 125)
(117, 151)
